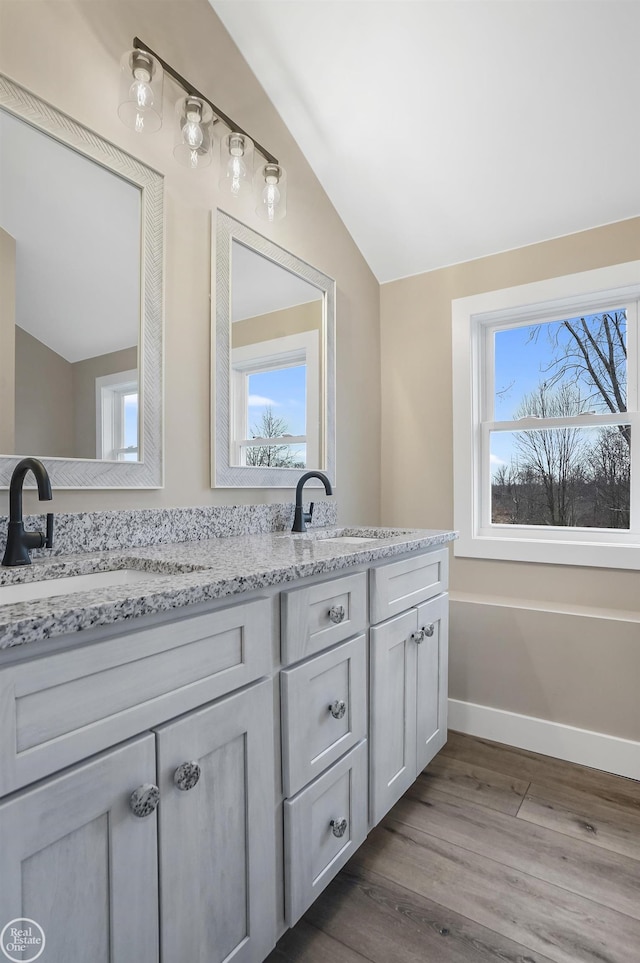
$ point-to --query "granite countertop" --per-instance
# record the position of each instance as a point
(187, 573)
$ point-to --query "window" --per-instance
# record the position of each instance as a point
(546, 420)
(117, 417)
(275, 414)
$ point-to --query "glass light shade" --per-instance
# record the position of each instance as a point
(141, 79)
(270, 185)
(194, 132)
(236, 164)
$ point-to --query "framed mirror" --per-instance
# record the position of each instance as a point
(273, 402)
(81, 235)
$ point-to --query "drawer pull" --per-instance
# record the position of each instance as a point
(338, 708)
(428, 630)
(338, 827)
(337, 613)
(144, 800)
(418, 636)
(186, 776)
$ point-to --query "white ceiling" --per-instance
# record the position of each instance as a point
(259, 286)
(77, 232)
(445, 131)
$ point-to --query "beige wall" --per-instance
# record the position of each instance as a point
(44, 399)
(500, 660)
(7, 341)
(55, 400)
(68, 52)
(84, 375)
(277, 324)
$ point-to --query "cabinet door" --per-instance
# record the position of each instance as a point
(217, 838)
(79, 863)
(433, 661)
(393, 659)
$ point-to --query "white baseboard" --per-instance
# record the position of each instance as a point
(594, 749)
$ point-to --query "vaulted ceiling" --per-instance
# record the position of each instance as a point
(445, 131)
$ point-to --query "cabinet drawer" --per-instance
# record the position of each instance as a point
(65, 707)
(314, 854)
(317, 616)
(324, 711)
(397, 586)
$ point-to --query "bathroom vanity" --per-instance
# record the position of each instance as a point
(188, 760)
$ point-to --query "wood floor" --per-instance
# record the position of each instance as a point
(495, 854)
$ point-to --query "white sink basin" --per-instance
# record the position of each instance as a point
(348, 539)
(69, 584)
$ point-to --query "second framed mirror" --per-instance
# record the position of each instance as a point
(274, 358)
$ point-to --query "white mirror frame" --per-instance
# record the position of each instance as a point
(86, 472)
(223, 474)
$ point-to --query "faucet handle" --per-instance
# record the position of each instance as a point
(48, 542)
(310, 513)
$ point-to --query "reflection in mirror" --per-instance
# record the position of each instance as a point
(276, 364)
(274, 373)
(70, 248)
(81, 340)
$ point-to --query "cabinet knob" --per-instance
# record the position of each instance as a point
(418, 636)
(338, 708)
(144, 800)
(338, 827)
(186, 776)
(337, 613)
(428, 630)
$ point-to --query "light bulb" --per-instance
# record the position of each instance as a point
(140, 91)
(271, 199)
(237, 173)
(192, 134)
(270, 193)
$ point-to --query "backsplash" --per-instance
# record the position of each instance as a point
(102, 531)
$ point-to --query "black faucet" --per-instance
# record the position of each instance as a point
(20, 542)
(301, 518)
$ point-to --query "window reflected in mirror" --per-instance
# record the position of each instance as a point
(277, 376)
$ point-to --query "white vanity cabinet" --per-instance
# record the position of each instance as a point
(408, 669)
(220, 849)
(87, 857)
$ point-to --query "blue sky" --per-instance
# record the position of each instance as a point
(520, 363)
(284, 390)
(131, 420)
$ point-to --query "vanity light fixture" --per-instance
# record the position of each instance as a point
(271, 188)
(236, 163)
(197, 117)
(141, 91)
(194, 132)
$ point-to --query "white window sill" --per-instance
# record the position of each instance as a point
(598, 554)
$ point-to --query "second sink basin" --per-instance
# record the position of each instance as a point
(348, 539)
(69, 584)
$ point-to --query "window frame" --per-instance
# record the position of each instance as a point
(286, 352)
(474, 321)
(110, 394)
